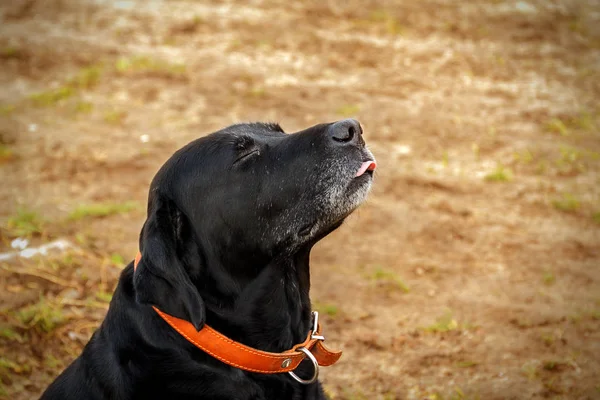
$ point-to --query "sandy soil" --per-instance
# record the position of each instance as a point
(472, 272)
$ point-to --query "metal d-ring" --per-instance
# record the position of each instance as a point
(315, 366)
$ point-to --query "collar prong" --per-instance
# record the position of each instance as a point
(315, 329)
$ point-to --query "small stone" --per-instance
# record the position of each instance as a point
(19, 243)
(525, 7)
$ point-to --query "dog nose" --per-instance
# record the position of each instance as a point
(347, 131)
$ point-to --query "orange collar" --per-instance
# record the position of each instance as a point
(249, 359)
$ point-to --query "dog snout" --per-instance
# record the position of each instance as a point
(346, 132)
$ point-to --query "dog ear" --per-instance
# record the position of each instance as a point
(161, 278)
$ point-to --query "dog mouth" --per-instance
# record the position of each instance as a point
(367, 167)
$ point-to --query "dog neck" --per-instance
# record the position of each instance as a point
(269, 312)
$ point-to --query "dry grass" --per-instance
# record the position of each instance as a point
(457, 84)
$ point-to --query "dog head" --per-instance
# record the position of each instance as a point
(227, 204)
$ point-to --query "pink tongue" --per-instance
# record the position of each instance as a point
(366, 166)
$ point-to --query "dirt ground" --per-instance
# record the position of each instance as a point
(473, 271)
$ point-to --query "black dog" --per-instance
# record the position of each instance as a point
(232, 218)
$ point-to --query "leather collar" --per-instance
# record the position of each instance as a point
(247, 358)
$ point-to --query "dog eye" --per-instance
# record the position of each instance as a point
(246, 155)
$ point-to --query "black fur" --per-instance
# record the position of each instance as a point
(232, 218)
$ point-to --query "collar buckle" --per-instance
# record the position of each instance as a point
(314, 335)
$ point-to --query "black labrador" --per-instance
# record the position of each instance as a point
(232, 218)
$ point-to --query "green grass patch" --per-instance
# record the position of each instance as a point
(570, 154)
(348, 110)
(556, 125)
(87, 77)
(83, 107)
(575, 317)
(525, 156)
(383, 275)
(445, 159)
(541, 167)
(235, 44)
(572, 159)
(466, 364)
(52, 362)
(114, 117)
(549, 278)
(104, 296)
(143, 64)
(445, 323)
(10, 52)
(548, 339)
(257, 91)
(568, 203)
(459, 394)
(578, 26)
(530, 370)
(101, 210)
(8, 365)
(326, 308)
(263, 44)
(7, 109)
(500, 174)
(43, 316)
(24, 223)
(596, 217)
(117, 260)
(551, 365)
(6, 153)
(51, 97)
(583, 122)
(11, 334)
(390, 24)
(85, 240)
(67, 260)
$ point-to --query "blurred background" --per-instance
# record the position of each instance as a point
(473, 271)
